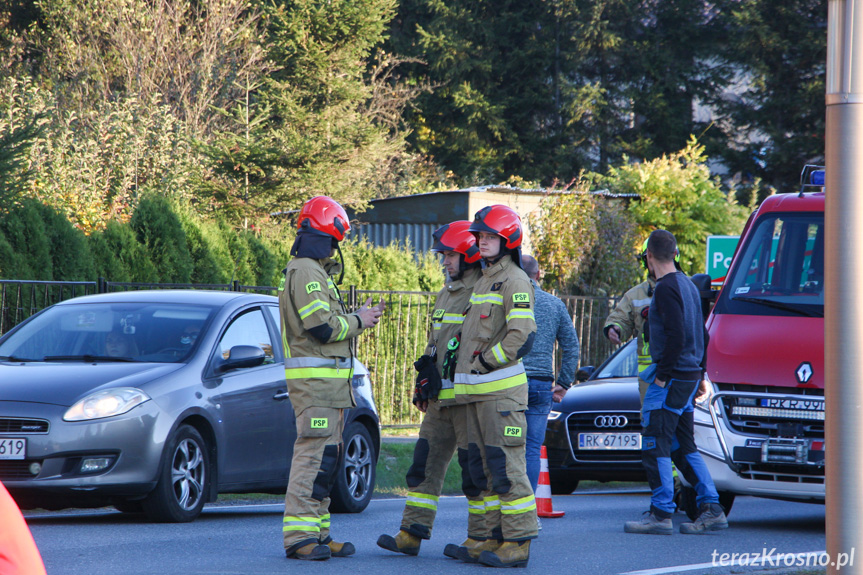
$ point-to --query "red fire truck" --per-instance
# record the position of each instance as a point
(762, 431)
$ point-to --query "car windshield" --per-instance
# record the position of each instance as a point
(780, 270)
(624, 363)
(121, 332)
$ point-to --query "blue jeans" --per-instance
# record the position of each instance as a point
(539, 399)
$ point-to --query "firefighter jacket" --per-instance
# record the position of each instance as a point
(627, 316)
(498, 331)
(447, 319)
(316, 336)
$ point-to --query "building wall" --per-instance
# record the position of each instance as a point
(414, 218)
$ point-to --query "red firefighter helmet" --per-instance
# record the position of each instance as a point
(324, 215)
(456, 237)
(500, 220)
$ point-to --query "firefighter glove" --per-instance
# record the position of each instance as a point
(428, 381)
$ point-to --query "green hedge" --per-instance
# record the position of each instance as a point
(168, 243)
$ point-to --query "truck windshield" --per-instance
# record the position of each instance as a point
(780, 270)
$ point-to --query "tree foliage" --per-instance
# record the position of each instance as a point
(678, 194)
(774, 122)
(584, 243)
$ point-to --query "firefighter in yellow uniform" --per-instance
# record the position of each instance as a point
(490, 379)
(444, 426)
(316, 335)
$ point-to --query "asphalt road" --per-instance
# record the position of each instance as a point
(246, 539)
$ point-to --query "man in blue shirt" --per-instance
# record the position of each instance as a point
(678, 343)
(553, 323)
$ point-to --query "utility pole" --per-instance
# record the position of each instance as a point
(843, 319)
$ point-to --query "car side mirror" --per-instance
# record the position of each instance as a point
(241, 356)
(584, 373)
(708, 296)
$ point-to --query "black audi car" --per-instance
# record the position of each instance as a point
(595, 432)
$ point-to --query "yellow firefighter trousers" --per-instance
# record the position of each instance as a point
(442, 429)
(313, 472)
(496, 432)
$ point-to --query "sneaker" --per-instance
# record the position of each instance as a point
(309, 552)
(403, 542)
(712, 518)
(510, 554)
(455, 551)
(650, 524)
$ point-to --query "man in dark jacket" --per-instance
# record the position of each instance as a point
(678, 343)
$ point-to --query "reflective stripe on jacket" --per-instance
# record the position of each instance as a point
(495, 334)
(447, 320)
(318, 373)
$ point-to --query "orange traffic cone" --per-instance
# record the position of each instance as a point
(544, 507)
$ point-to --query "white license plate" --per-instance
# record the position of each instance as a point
(799, 404)
(13, 448)
(609, 441)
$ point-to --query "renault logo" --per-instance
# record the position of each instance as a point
(610, 421)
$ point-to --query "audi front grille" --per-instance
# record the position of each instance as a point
(613, 422)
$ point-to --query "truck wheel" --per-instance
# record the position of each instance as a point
(355, 482)
(687, 501)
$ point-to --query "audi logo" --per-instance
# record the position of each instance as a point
(610, 421)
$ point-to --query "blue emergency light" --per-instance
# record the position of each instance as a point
(812, 177)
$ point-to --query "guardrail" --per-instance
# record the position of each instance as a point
(388, 351)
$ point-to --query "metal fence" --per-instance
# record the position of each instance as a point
(388, 351)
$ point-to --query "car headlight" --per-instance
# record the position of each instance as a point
(552, 415)
(106, 403)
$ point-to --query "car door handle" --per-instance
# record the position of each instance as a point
(281, 395)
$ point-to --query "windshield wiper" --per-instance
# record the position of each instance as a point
(86, 357)
(16, 359)
(778, 305)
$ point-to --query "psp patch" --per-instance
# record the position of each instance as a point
(521, 297)
(438, 314)
(320, 423)
(512, 431)
(313, 286)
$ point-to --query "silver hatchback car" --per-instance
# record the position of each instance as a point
(157, 401)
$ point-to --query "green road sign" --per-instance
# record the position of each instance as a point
(720, 250)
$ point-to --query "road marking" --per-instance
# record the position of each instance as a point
(712, 565)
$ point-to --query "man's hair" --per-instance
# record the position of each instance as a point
(530, 266)
(662, 245)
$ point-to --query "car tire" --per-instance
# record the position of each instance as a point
(355, 482)
(690, 507)
(184, 478)
(562, 484)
